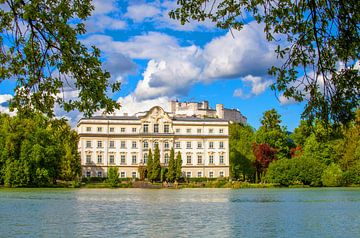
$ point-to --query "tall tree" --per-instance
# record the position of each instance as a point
(171, 173)
(264, 156)
(39, 47)
(149, 166)
(316, 37)
(156, 167)
(113, 176)
(178, 166)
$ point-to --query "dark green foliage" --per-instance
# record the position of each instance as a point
(113, 176)
(149, 166)
(332, 176)
(241, 154)
(178, 174)
(156, 167)
(40, 49)
(171, 173)
(313, 38)
(36, 151)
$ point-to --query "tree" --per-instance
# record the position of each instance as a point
(271, 133)
(241, 138)
(264, 155)
(39, 47)
(149, 166)
(332, 176)
(156, 167)
(178, 166)
(315, 38)
(171, 173)
(113, 176)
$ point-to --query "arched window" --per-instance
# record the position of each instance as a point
(145, 158)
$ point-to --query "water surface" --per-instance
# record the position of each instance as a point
(320, 212)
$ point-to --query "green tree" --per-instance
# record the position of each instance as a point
(171, 173)
(242, 157)
(178, 173)
(40, 48)
(316, 36)
(156, 167)
(149, 166)
(332, 176)
(271, 133)
(113, 176)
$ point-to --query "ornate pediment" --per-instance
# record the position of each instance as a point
(155, 115)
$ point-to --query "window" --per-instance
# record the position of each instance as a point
(156, 128)
(188, 174)
(122, 129)
(166, 160)
(99, 174)
(99, 129)
(221, 174)
(156, 144)
(112, 129)
(133, 129)
(211, 174)
(99, 144)
(199, 174)
(133, 160)
(188, 145)
(199, 159)
(146, 145)
(145, 158)
(199, 131)
(133, 144)
(99, 159)
(88, 144)
(177, 144)
(211, 145)
(211, 130)
(211, 159)
(112, 144)
(146, 128)
(111, 159)
(221, 159)
(133, 174)
(199, 145)
(166, 145)
(122, 159)
(188, 130)
(88, 174)
(88, 159)
(122, 144)
(188, 159)
(221, 131)
(88, 129)
(221, 145)
(166, 129)
(122, 174)
(177, 130)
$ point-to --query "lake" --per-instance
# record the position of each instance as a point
(315, 212)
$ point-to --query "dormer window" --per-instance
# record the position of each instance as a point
(166, 129)
(146, 128)
(156, 128)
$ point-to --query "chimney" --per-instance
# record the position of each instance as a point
(220, 110)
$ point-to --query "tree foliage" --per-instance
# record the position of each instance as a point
(40, 49)
(149, 165)
(171, 173)
(156, 167)
(113, 176)
(37, 151)
(264, 155)
(314, 38)
(178, 174)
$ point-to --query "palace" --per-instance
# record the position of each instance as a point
(124, 142)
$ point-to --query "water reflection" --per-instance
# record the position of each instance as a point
(180, 213)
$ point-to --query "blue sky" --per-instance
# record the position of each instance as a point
(157, 60)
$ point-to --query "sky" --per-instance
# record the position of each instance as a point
(156, 60)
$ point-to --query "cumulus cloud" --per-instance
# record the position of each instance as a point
(140, 12)
(286, 101)
(4, 104)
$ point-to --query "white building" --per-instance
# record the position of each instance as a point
(124, 142)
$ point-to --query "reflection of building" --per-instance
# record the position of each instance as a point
(202, 109)
(125, 141)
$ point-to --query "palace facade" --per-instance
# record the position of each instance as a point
(124, 142)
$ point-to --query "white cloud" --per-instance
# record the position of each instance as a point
(4, 104)
(286, 101)
(140, 12)
(100, 23)
(258, 84)
(104, 7)
(132, 105)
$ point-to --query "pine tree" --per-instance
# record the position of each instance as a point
(178, 173)
(171, 174)
(156, 167)
(149, 165)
